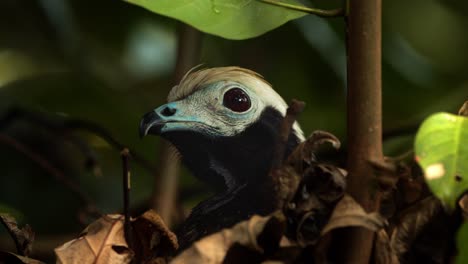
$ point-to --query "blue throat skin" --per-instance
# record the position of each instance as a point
(236, 166)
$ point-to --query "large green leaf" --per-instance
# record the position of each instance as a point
(231, 19)
(462, 244)
(442, 151)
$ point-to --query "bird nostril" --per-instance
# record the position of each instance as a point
(167, 111)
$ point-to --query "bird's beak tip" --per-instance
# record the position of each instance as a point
(149, 120)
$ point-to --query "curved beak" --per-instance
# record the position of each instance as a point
(166, 118)
(151, 123)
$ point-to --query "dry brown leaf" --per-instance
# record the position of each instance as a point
(23, 237)
(414, 220)
(304, 154)
(286, 183)
(464, 109)
(463, 203)
(101, 242)
(258, 234)
(10, 258)
(383, 252)
(349, 213)
(153, 241)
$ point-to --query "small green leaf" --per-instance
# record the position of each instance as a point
(441, 149)
(462, 243)
(231, 19)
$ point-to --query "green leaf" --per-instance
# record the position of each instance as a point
(231, 19)
(462, 243)
(441, 149)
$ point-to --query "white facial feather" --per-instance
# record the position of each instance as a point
(200, 93)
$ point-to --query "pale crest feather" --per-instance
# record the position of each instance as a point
(194, 80)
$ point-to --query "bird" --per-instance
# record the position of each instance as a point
(224, 122)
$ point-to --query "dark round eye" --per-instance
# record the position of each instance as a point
(236, 100)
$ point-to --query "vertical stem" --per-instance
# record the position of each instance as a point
(165, 191)
(126, 195)
(364, 117)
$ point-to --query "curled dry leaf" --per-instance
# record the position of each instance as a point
(464, 109)
(383, 252)
(413, 221)
(254, 237)
(153, 241)
(10, 258)
(463, 203)
(308, 212)
(23, 237)
(286, 182)
(101, 242)
(303, 155)
(326, 181)
(349, 213)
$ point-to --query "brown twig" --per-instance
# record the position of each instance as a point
(125, 154)
(294, 109)
(50, 168)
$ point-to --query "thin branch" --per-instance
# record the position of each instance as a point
(50, 168)
(339, 12)
(125, 154)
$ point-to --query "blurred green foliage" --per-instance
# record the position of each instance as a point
(109, 62)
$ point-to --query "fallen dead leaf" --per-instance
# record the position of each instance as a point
(304, 154)
(153, 241)
(10, 258)
(322, 185)
(326, 181)
(414, 219)
(253, 237)
(23, 237)
(349, 213)
(383, 252)
(463, 203)
(101, 242)
(464, 109)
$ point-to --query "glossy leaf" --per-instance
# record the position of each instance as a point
(231, 19)
(441, 149)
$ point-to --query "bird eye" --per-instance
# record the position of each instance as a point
(236, 100)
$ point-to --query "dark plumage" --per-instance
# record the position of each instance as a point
(225, 123)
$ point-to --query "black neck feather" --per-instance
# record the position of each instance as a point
(238, 166)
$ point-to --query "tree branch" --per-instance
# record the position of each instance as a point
(364, 120)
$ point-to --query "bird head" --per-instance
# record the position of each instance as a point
(224, 122)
